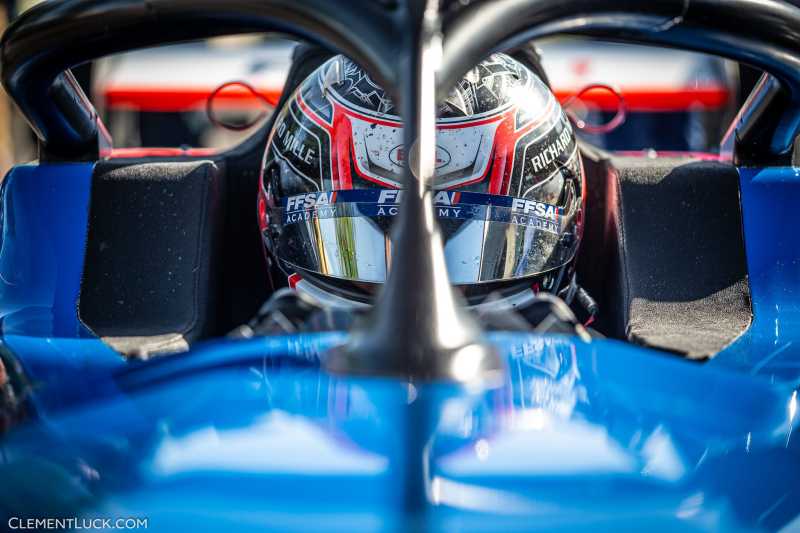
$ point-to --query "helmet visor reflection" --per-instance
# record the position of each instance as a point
(347, 234)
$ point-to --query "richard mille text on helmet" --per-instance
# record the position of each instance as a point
(508, 184)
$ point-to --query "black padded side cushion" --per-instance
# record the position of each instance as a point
(683, 275)
(151, 253)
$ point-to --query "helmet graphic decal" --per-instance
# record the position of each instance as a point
(508, 177)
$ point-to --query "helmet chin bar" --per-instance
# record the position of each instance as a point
(418, 328)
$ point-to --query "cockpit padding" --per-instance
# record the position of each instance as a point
(152, 254)
(676, 276)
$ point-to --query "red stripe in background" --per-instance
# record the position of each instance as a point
(646, 99)
(179, 99)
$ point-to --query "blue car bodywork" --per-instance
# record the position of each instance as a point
(254, 435)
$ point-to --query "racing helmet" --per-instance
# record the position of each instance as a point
(508, 188)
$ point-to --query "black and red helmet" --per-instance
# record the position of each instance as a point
(509, 182)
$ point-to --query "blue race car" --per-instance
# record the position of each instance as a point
(609, 346)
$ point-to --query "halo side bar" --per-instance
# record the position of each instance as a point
(765, 34)
(50, 38)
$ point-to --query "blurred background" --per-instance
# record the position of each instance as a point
(674, 101)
